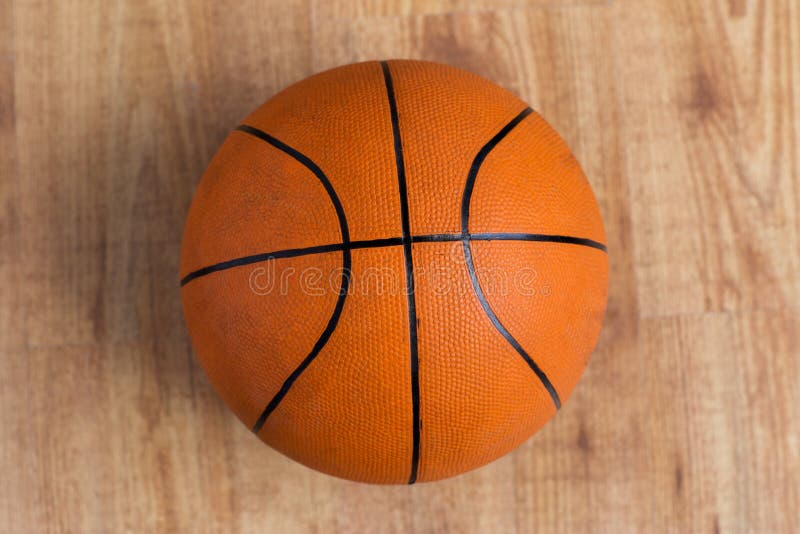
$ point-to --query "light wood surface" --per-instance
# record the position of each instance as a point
(684, 114)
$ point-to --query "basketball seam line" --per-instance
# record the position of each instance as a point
(465, 241)
(409, 267)
(509, 236)
(346, 265)
(387, 242)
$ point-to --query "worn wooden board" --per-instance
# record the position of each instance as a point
(685, 116)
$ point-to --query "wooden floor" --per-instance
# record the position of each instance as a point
(685, 116)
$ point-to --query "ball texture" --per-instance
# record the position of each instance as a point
(394, 271)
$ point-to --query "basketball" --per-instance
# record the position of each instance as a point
(394, 272)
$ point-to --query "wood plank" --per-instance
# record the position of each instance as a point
(722, 416)
(344, 10)
(713, 154)
(12, 315)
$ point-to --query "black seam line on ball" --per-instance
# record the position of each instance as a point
(546, 238)
(466, 239)
(387, 242)
(509, 236)
(346, 265)
(290, 253)
(412, 306)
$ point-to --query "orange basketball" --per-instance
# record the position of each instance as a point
(394, 271)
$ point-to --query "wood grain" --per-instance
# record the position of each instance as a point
(686, 117)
